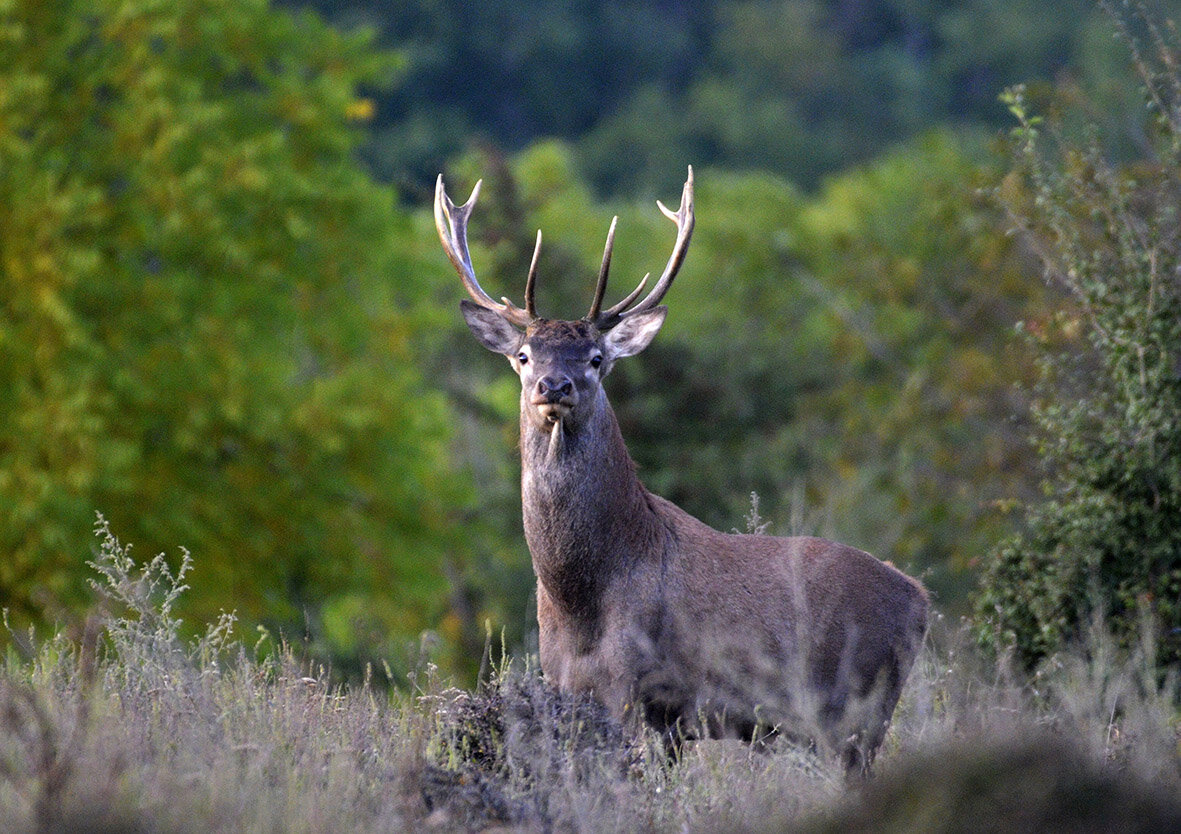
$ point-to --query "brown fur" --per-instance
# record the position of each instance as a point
(695, 631)
(660, 617)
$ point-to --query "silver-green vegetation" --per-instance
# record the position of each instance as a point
(129, 726)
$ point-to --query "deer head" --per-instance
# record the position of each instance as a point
(561, 363)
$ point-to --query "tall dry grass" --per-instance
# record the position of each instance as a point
(123, 725)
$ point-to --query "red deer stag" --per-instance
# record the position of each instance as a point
(700, 633)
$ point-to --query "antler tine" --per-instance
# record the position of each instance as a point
(601, 287)
(683, 217)
(631, 296)
(451, 223)
(531, 282)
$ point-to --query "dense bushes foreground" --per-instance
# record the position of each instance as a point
(126, 726)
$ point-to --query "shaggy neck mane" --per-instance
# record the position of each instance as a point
(586, 513)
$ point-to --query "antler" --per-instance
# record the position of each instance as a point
(601, 287)
(451, 222)
(683, 217)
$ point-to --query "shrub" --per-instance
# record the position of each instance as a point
(1107, 541)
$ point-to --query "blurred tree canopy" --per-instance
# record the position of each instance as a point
(209, 312)
(225, 330)
(800, 88)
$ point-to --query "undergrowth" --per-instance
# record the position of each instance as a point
(123, 725)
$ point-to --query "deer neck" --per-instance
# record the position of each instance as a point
(586, 513)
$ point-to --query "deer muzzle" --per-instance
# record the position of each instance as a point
(554, 397)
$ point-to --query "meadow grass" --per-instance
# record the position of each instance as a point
(122, 725)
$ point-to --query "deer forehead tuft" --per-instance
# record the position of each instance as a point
(561, 334)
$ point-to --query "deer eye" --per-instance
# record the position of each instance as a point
(523, 357)
(596, 360)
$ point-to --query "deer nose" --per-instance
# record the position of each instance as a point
(553, 389)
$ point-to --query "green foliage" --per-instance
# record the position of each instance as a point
(800, 88)
(220, 332)
(846, 356)
(915, 288)
(208, 321)
(1107, 538)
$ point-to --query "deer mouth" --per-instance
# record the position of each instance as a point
(553, 412)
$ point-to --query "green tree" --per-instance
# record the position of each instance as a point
(801, 88)
(1106, 540)
(917, 289)
(761, 99)
(208, 322)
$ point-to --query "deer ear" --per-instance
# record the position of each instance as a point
(633, 333)
(491, 328)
